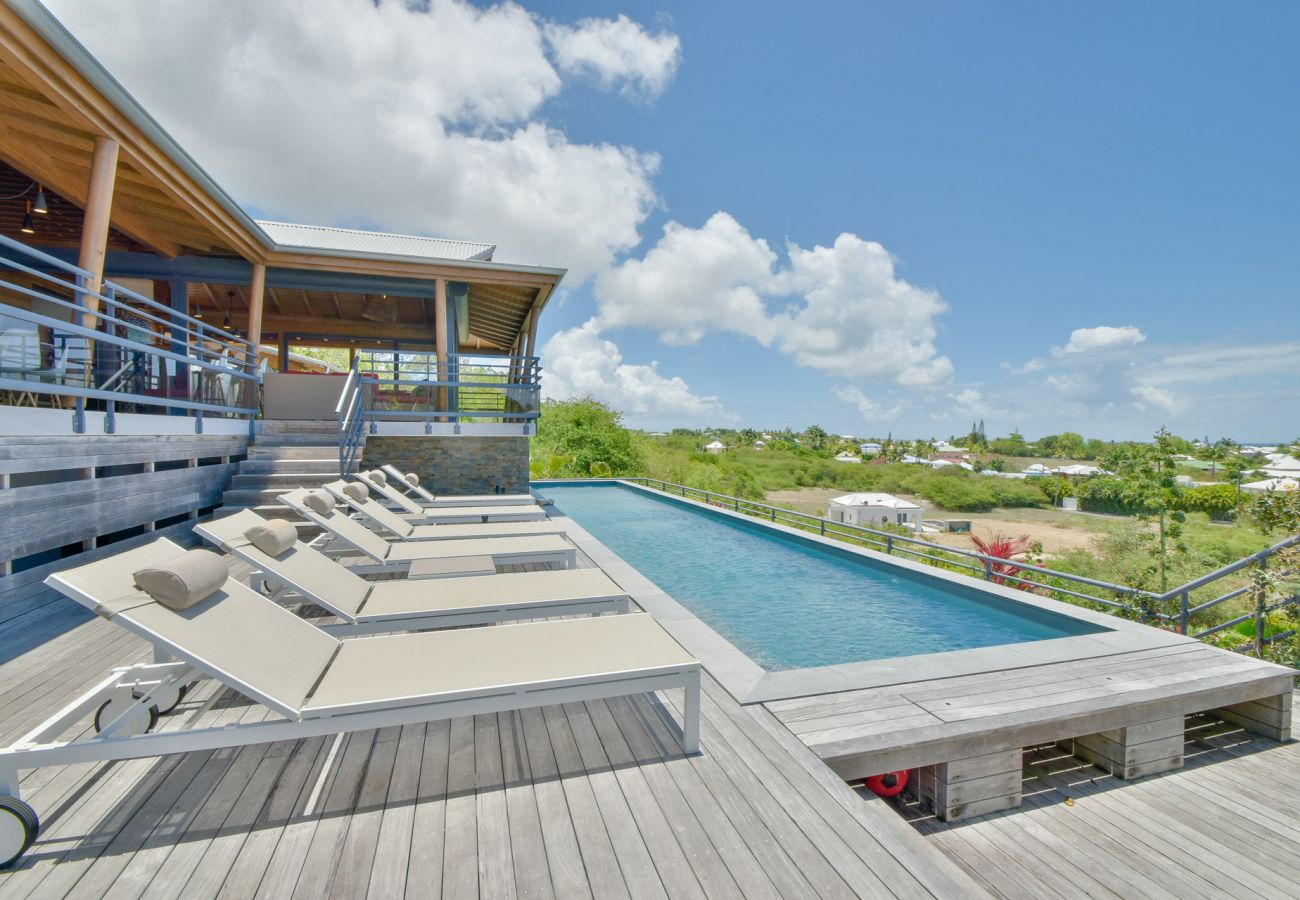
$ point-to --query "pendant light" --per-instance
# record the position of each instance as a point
(29, 227)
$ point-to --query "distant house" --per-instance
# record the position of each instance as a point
(1185, 481)
(759, 445)
(1271, 484)
(870, 448)
(847, 457)
(874, 509)
(715, 447)
(1077, 470)
(945, 447)
(1036, 469)
(1283, 467)
(946, 463)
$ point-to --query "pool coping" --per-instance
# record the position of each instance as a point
(749, 682)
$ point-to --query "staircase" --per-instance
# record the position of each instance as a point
(286, 454)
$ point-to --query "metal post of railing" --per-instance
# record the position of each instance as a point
(822, 523)
(889, 545)
(1261, 609)
(198, 413)
(1184, 613)
(988, 570)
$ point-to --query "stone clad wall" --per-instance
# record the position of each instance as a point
(455, 464)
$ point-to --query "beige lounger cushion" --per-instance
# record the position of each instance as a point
(412, 479)
(272, 537)
(319, 502)
(401, 669)
(377, 476)
(358, 492)
(182, 581)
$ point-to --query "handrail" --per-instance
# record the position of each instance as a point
(353, 411)
(1147, 602)
(86, 348)
(420, 386)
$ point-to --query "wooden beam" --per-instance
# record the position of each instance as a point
(275, 301)
(255, 292)
(338, 307)
(95, 221)
(306, 301)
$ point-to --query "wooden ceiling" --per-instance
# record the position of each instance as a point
(496, 314)
(44, 141)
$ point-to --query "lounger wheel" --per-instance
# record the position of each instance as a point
(171, 698)
(19, 828)
(141, 720)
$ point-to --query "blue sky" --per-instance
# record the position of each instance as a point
(1091, 211)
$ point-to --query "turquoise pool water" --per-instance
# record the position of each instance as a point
(789, 603)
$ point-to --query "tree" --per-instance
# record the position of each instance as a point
(586, 432)
(1149, 484)
(1215, 453)
(1056, 487)
(816, 437)
(1236, 468)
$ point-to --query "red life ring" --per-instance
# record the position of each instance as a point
(890, 784)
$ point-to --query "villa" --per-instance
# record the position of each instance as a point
(282, 613)
(845, 456)
(873, 509)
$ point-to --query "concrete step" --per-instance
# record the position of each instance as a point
(263, 454)
(297, 440)
(299, 426)
(282, 481)
(326, 466)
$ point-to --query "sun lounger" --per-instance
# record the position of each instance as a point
(548, 548)
(409, 483)
(519, 512)
(314, 683)
(401, 604)
(357, 496)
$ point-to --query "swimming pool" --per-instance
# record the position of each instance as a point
(790, 603)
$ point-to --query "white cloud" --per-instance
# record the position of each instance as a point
(1103, 337)
(423, 118)
(859, 320)
(1207, 364)
(868, 408)
(850, 315)
(580, 362)
(1148, 395)
(616, 52)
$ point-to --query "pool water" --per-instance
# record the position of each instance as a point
(788, 603)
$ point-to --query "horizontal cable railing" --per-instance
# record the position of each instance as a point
(1154, 608)
(460, 388)
(112, 349)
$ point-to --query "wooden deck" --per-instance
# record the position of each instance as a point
(589, 799)
(865, 732)
(1226, 825)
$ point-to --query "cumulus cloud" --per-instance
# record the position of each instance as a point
(1148, 395)
(869, 408)
(426, 115)
(692, 282)
(617, 52)
(1103, 337)
(847, 312)
(581, 362)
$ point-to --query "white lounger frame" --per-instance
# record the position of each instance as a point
(40, 747)
(564, 559)
(422, 495)
(272, 585)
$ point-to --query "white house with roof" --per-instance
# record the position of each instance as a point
(1078, 470)
(1283, 467)
(715, 447)
(869, 509)
(1271, 484)
(869, 448)
(845, 456)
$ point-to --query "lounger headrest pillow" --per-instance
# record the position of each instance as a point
(412, 479)
(357, 492)
(377, 476)
(272, 537)
(180, 582)
(319, 502)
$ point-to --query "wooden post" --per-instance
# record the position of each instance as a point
(95, 221)
(440, 339)
(255, 291)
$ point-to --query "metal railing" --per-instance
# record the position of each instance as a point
(1159, 609)
(460, 388)
(113, 350)
(353, 411)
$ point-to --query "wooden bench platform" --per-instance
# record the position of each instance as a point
(1123, 712)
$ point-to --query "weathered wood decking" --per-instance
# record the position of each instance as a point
(588, 799)
(1226, 825)
(864, 732)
